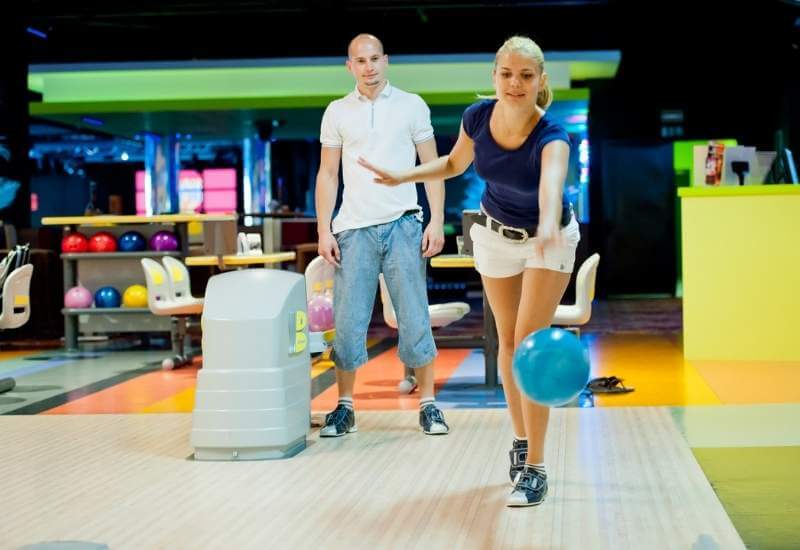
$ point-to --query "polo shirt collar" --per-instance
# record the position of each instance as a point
(386, 92)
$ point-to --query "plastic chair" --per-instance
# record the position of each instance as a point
(441, 315)
(161, 302)
(178, 274)
(16, 298)
(16, 308)
(580, 312)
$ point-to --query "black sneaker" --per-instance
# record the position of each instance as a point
(518, 455)
(431, 420)
(530, 488)
(340, 421)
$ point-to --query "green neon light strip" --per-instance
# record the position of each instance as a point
(299, 102)
(285, 83)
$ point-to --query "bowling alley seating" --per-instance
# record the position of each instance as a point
(441, 314)
(179, 282)
(15, 277)
(161, 301)
(578, 314)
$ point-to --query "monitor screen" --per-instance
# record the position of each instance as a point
(208, 191)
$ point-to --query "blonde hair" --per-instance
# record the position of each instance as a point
(525, 46)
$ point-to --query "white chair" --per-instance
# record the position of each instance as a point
(16, 298)
(180, 284)
(441, 315)
(580, 312)
(161, 302)
(317, 271)
(16, 307)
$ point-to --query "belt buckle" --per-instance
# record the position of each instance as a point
(517, 230)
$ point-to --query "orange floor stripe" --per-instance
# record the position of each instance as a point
(133, 395)
(739, 382)
(6, 355)
(184, 401)
(376, 383)
(181, 402)
(654, 365)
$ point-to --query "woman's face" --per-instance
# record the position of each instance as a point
(516, 79)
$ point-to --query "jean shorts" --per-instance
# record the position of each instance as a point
(394, 249)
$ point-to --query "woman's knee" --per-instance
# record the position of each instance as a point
(506, 343)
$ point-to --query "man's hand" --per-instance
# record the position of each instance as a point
(432, 239)
(328, 248)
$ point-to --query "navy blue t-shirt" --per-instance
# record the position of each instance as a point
(512, 177)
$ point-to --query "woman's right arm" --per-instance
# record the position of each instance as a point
(444, 167)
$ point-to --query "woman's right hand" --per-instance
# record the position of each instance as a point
(383, 176)
(547, 234)
(328, 248)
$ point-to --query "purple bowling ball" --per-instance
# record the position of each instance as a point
(164, 241)
(320, 314)
(78, 297)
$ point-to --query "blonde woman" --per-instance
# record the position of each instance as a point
(524, 245)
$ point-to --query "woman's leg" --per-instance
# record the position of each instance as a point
(541, 292)
(504, 295)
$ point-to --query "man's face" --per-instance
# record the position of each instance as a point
(367, 63)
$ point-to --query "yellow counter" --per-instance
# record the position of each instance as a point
(741, 272)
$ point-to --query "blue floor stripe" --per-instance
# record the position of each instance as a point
(465, 388)
(39, 367)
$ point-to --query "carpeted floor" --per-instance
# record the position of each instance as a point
(647, 316)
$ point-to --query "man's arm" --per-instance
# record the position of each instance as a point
(433, 238)
(325, 200)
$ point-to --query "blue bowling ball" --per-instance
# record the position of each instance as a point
(131, 241)
(551, 366)
(107, 296)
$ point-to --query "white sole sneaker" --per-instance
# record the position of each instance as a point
(330, 431)
(436, 429)
(518, 500)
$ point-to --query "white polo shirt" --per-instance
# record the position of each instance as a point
(385, 132)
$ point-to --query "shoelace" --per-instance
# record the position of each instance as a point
(338, 416)
(434, 415)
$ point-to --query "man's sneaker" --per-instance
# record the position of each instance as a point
(431, 420)
(340, 421)
(518, 455)
(530, 488)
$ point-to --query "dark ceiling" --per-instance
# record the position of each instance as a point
(202, 29)
(732, 67)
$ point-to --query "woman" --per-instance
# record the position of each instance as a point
(524, 247)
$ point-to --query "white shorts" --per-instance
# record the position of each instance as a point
(497, 256)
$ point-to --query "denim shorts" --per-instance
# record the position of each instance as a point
(394, 249)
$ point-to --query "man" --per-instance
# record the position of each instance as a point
(378, 229)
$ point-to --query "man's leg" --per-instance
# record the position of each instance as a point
(404, 272)
(355, 284)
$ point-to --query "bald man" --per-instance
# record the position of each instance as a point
(378, 229)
